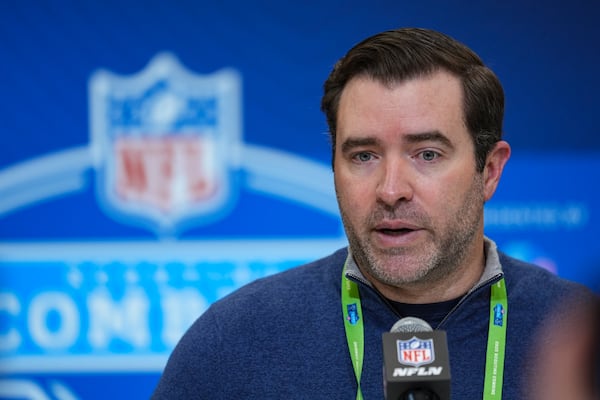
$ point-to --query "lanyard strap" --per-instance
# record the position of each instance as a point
(353, 324)
(494, 363)
(494, 366)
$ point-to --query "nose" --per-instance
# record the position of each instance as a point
(395, 182)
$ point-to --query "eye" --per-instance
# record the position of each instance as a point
(363, 156)
(429, 155)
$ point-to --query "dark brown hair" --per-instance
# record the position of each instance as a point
(394, 56)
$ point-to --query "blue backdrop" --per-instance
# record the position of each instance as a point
(157, 155)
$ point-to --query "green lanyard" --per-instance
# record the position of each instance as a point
(494, 366)
(353, 324)
(494, 360)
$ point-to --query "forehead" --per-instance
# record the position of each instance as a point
(423, 104)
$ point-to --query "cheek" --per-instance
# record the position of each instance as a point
(354, 198)
(461, 196)
(446, 196)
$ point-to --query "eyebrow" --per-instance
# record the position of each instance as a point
(432, 136)
(411, 138)
(352, 143)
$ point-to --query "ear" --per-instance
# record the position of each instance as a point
(494, 165)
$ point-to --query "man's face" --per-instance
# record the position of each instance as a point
(406, 181)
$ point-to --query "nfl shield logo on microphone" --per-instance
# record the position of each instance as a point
(415, 352)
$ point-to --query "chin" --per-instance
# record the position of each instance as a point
(395, 276)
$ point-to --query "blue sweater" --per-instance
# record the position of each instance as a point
(282, 337)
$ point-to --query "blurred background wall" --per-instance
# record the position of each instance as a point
(157, 155)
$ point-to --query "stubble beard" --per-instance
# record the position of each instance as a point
(437, 260)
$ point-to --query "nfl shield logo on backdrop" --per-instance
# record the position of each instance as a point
(166, 144)
(415, 352)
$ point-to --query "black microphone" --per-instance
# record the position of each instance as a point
(416, 365)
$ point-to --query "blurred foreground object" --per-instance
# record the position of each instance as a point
(568, 356)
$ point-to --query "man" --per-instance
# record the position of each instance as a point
(416, 124)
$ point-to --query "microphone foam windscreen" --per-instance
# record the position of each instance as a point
(410, 324)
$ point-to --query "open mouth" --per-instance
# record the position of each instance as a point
(395, 232)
